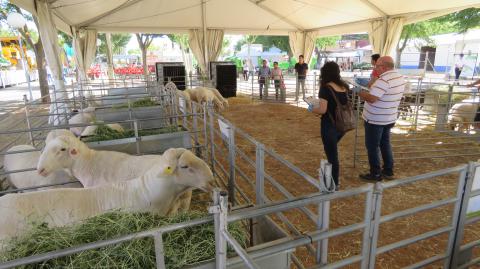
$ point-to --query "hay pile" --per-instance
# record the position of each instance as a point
(182, 247)
(103, 133)
(144, 102)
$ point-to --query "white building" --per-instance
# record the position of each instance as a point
(447, 50)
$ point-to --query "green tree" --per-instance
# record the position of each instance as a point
(225, 44)
(422, 31)
(182, 41)
(144, 41)
(5, 32)
(119, 42)
(321, 44)
(33, 41)
(64, 39)
(247, 39)
(459, 22)
(463, 20)
(134, 52)
(280, 42)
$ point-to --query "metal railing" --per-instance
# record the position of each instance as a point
(373, 219)
(37, 127)
(428, 115)
(225, 147)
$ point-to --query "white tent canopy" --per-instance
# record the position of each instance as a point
(302, 19)
(266, 17)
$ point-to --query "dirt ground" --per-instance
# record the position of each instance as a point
(295, 135)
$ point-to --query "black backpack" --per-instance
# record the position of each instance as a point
(344, 118)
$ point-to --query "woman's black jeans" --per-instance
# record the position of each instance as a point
(330, 139)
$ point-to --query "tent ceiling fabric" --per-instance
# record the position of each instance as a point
(267, 17)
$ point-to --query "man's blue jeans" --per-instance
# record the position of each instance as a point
(377, 140)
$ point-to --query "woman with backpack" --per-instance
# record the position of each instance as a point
(336, 111)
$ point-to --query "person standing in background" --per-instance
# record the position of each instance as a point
(277, 77)
(301, 68)
(264, 73)
(459, 66)
(374, 75)
(245, 70)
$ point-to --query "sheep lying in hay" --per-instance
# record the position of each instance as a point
(182, 247)
(87, 115)
(91, 130)
(29, 179)
(177, 171)
(462, 114)
(92, 167)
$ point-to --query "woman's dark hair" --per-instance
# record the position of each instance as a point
(375, 57)
(330, 72)
(275, 62)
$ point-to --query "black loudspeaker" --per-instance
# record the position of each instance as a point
(175, 71)
(224, 78)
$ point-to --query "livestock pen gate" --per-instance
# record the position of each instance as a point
(255, 179)
(152, 126)
(428, 126)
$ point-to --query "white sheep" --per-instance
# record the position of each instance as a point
(56, 133)
(186, 96)
(87, 115)
(92, 167)
(177, 171)
(28, 179)
(90, 130)
(203, 94)
(462, 114)
(219, 96)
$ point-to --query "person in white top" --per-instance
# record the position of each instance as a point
(459, 66)
(380, 114)
(277, 78)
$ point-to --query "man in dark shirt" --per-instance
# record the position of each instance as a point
(301, 69)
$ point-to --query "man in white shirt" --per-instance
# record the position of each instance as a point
(380, 114)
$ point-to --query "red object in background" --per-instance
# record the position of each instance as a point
(133, 70)
(94, 71)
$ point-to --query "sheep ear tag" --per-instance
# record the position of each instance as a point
(168, 170)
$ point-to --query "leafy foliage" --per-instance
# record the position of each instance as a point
(181, 40)
(459, 22)
(323, 42)
(64, 39)
(248, 39)
(463, 20)
(119, 42)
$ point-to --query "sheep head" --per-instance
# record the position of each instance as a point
(58, 154)
(56, 133)
(188, 169)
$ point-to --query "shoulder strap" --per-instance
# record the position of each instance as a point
(332, 91)
(335, 95)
